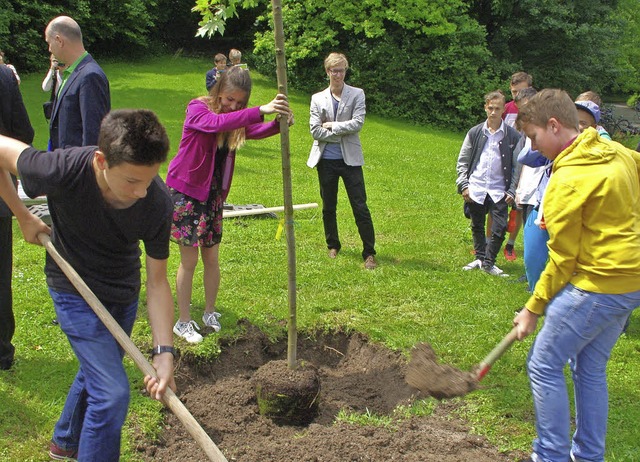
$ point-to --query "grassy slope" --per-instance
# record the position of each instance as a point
(417, 294)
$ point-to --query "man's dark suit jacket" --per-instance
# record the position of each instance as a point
(80, 107)
(14, 120)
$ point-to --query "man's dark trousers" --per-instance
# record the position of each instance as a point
(487, 252)
(7, 321)
(329, 173)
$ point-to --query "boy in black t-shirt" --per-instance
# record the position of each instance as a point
(103, 201)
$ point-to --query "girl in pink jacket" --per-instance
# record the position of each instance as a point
(199, 178)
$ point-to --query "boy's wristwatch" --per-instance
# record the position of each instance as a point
(156, 350)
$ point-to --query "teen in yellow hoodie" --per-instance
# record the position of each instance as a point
(591, 283)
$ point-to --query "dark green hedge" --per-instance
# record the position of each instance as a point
(431, 79)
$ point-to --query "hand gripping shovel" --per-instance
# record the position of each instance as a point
(170, 399)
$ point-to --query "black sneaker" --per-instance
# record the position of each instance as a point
(6, 360)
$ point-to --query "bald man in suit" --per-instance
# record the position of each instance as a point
(83, 98)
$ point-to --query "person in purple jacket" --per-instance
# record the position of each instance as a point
(199, 178)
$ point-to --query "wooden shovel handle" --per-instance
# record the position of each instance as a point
(498, 351)
(170, 399)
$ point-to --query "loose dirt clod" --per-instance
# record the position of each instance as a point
(437, 380)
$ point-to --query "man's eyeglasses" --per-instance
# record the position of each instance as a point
(337, 71)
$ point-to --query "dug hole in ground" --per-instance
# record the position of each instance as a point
(355, 375)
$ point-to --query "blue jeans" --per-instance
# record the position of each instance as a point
(536, 251)
(97, 403)
(580, 328)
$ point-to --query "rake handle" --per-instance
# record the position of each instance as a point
(170, 399)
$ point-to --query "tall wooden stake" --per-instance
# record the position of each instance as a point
(281, 71)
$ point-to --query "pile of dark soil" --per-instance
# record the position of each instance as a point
(355, 375)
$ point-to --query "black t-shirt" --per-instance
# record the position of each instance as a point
(221, 156)
(99, 241)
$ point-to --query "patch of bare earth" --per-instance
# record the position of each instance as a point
(355, 375)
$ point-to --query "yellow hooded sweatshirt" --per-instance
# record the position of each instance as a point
(592, 212)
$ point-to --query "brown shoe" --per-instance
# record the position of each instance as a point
(57, 453)
(370, 263)
(333, 253)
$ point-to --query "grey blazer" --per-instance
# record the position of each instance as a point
(347, 124)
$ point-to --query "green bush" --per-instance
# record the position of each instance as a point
(108, 26)
(427, 78)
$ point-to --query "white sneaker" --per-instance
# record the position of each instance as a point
(187, 330)
(495, 271)
(211, 320)
(475, 264)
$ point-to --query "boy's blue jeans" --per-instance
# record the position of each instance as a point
(581, 328)
(97, 403)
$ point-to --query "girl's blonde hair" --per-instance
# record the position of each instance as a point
(235, 78)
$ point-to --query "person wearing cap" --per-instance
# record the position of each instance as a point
(589, 116)
(588, 105)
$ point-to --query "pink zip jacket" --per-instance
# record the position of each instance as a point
(191, 170)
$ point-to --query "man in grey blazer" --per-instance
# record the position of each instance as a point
(83, 98)
(337, 116)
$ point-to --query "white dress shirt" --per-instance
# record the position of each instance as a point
(487, 178)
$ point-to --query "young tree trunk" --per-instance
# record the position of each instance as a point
(281, 71)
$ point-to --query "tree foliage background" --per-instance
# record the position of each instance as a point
(426, 61)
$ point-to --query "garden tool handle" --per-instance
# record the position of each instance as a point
(170, 399)
(498, 351)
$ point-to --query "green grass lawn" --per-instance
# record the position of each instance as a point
(418, 293)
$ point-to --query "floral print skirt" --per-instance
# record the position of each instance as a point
(196, 223)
